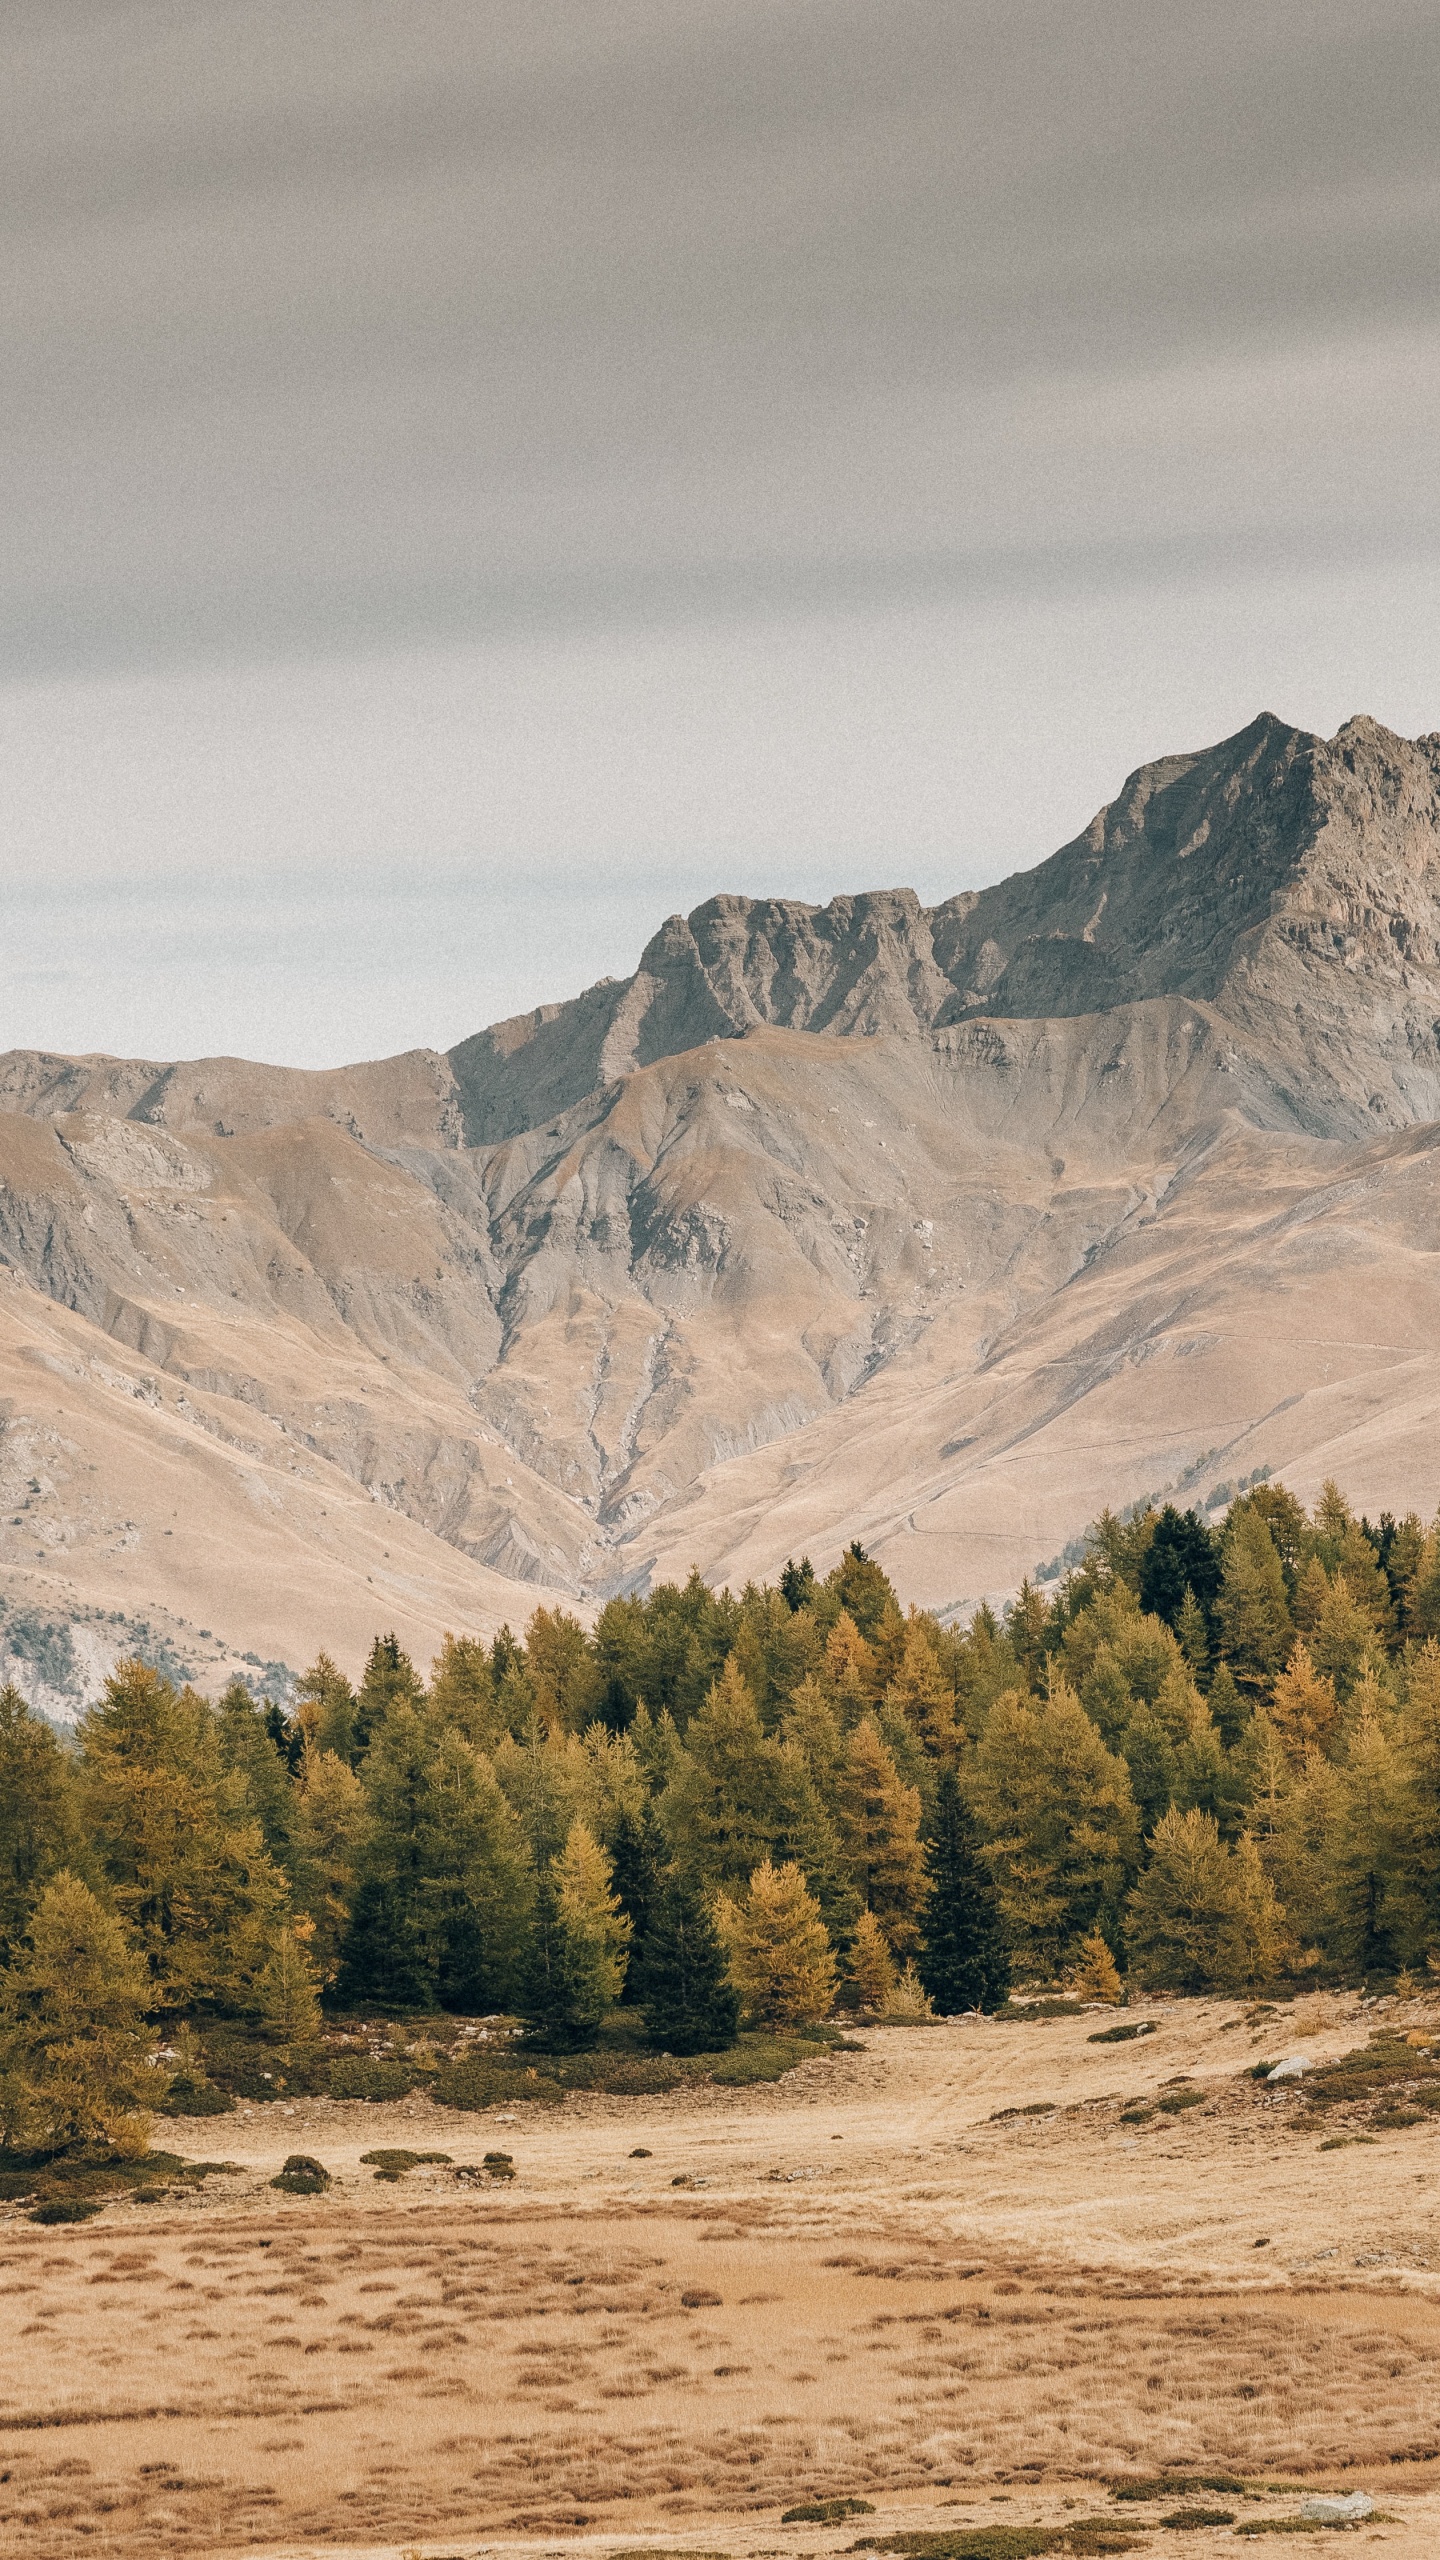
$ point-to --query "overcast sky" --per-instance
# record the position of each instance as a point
(481, 477)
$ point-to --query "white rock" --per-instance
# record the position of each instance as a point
(1351, 2510)
(1290, 2068)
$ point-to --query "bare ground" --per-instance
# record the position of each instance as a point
(872, 2282)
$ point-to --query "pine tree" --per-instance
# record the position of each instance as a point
(1413, 1898)
(681, 1973)
(248, 1750)
(810, 1722)
(564, 1674)
(390, 1681)
(590, 1905)
(721, 1810)
(1202, 1917)
(870, 1965)
(564, 1976)
(1183, 1555)
(1342, 1637)
(1058, 1815)
(922, 1695)
(797, 1583)
(848, 1677)
(325, 1709)
(183, 1855)
(462, 1691)
(637, 1862)
(878, 1819)
(1231, 1712)
(863, 1588)
(38, 1830)
(964, 1957)
(1252, 1611)
(1363, 1847)
(1192, 1628)
(1151, 1758)
(444, 1880)
(330, 1820)
(1303, 1706)
(74, 2043)
(1095, 1975)
(781, 1960)
(289, 1989)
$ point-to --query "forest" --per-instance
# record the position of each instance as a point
(1209, 1760)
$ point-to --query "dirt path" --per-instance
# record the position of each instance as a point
(867, 2279)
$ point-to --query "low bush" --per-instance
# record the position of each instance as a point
(827, 2511)
(380, 2078)
(302, 2176)
(1125, 2034)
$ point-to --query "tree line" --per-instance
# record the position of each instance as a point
(1208, 1760)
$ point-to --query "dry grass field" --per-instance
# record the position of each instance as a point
(880, 2278)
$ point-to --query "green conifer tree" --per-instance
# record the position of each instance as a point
(964, 1959)
(681, 1973)
(390, 1681)
(1252, 1611)
(565, 1978)
(39, 1833)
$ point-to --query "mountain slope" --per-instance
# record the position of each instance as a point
(936, 1226)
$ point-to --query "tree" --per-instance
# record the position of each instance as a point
(325, 1708)
(681, 1973)
(921, 1693)
(38, 1830)
(462, 1691)
(863, 1589)
(444, 1878)
(1183, 1555)
(328, 1830)
(797, 1583)
(849, 1672)
(564, 1976)
(870, 1965)
(964, 1956)
(592, 1908)
(1059, 1820)
(564, 1675)
(1202, 1917)
(1193, 1630)
(390, 1681)
(181, 1850)
(248, 1749)
(1231, 1712)
(781, 1960)
(1413, 1899)
(810, 1722)
(74, 2043)
(1095, 1975)
(1343, 1636)
(637, 1862)
(878, 1819)
(289, 1988)
(1303, 1706)
(720, 1810)
(1363, 1848)
(1252, 1611)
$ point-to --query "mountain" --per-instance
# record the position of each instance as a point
(935, 1226)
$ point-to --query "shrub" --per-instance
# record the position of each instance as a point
(376, 2077)
(302, 2176)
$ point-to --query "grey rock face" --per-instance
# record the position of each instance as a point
(1290, 880)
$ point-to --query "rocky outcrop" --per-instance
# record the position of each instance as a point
(1241, 875)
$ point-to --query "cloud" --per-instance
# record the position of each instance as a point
(337, 326)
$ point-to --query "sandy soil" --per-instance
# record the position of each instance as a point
(686, 2313)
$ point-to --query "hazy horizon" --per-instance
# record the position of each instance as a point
(482, 483)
